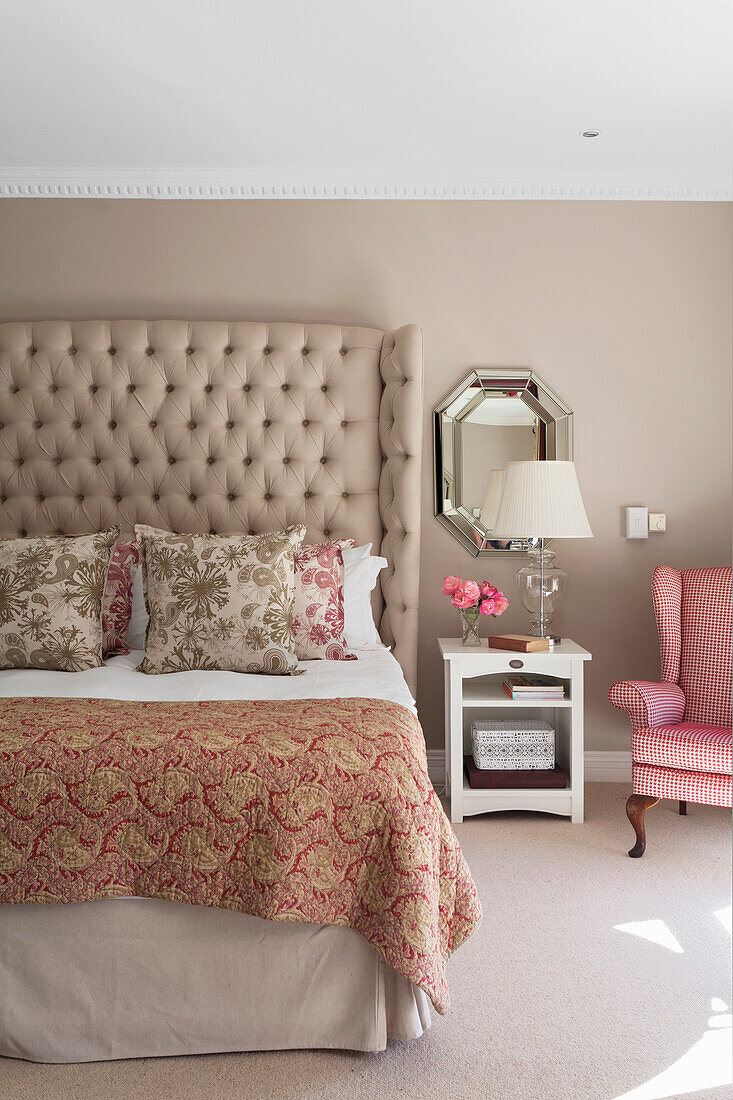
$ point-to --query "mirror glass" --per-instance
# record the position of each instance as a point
(495, 416)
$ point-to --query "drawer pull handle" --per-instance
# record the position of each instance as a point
(516, 664)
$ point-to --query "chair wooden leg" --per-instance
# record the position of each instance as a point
(636, 807)
(683, 807)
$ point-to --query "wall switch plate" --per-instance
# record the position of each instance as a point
(637, 524)
(657, 521)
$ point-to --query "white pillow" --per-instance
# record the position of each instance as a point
(361, 571)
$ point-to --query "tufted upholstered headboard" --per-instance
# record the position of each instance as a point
(216, 426)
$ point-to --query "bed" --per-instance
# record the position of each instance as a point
(209, 427)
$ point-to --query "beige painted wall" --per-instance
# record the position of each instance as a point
(624, 308)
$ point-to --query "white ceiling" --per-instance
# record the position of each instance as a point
(359, 97)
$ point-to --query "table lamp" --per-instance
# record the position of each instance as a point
(541, 500)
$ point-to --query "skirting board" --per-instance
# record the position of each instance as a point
(600, 767)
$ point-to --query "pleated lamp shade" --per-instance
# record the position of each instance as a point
(491, 501)
(541, 500)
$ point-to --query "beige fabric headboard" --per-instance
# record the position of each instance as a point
(215, 426)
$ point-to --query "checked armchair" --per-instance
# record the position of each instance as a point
(681, 727)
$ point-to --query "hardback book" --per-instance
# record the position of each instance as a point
(516, 779)
(533, 687)
(520, 643)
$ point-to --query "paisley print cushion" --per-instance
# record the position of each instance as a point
(219, 601)
(312, 810)
(117, 599)
(51, 600)
(318, 604)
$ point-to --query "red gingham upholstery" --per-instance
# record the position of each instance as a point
(703, 787)
(706, 668)
(648, 704)
(667, 600)
(681, 735)
(687, 746)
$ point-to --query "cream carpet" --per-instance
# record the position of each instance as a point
(551, 1000)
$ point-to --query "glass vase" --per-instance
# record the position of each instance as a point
(541, 587)
(469, 626)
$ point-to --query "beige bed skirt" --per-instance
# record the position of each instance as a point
(137, 978)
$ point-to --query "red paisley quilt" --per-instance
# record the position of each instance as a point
(308, 810)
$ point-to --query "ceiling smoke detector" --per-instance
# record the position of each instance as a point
(590, 133)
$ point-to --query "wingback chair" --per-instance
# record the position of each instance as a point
(681, 727)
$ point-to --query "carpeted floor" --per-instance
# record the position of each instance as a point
(551, 1001)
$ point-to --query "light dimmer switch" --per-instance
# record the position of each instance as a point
(637, 523)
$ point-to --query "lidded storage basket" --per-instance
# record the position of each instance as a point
(513, 744)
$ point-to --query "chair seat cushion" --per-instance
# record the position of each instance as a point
(687, 746)
(705, 788)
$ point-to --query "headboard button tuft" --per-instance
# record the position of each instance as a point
(231, 496)
(230, 424)
(111, 351)
(112, 425)
(153, 424)
(131, 388)
(208, 387)
(228, 349)
(76, 425)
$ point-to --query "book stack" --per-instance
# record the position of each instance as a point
(533, 687)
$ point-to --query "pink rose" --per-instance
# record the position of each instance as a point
(471, 591)
(489, 590)
(451, 585)
(459, 600)
(502, 603)
(488, 607)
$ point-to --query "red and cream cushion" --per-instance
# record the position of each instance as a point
(318, 602)
(686, 746)
(707, 788)
(706, 669)
(117, 599)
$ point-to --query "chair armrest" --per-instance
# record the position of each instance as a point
(647, 704)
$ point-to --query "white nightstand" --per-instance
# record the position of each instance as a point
(473, 683)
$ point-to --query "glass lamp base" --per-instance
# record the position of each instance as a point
(542, 586)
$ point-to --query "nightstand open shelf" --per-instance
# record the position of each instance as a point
(473, 682)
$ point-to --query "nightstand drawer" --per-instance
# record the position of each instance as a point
(531, 664)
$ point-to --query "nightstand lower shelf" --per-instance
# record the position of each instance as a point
(544, 801)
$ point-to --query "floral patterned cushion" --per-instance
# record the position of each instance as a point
(318, 605)
(51, 600)
(219, 601)
(117, 599)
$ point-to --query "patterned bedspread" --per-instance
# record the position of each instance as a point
(308, 810)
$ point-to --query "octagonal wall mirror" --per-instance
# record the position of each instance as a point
(495, 416)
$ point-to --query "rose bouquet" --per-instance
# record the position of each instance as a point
(474, 598)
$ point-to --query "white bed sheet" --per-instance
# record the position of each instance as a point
(375, 675)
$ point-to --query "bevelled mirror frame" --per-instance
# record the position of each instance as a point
(463, 456)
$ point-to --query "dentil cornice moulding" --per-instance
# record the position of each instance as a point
(212, 183)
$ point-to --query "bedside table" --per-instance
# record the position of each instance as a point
(473, 684)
